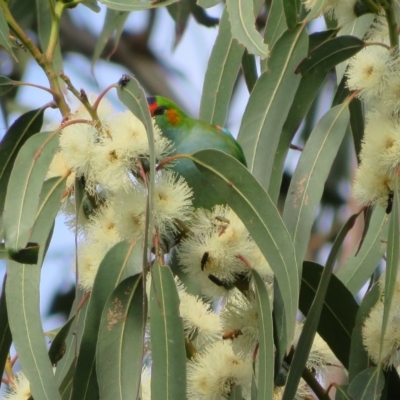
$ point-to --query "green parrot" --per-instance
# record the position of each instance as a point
(190, 135)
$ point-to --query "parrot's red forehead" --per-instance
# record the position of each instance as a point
(152, 105)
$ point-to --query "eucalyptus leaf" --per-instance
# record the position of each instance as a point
(20, 131)
(120, 261)
(330, 53)
(290, 9)
(251, 203)
(120, 342)
(307, 184)
(361, 264)
(276, 25)
(221, 75)
(367, 385)
(168, 372)
(249, 70)
(136, 5)
(24, 187)
(5, 34)
(242, 18)
(358, 359)
(338, 316)
(22, 292)
(208, 3)
(270, 103)
(6, 84)
(5, 332)
(114, 22)
(265, 374)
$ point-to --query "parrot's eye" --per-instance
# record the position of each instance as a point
(160, 110)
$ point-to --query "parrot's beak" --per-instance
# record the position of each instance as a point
(152, 102)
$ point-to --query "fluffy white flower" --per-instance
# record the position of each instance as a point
(172, 200)
(213, 373)
(221, 248)
(19, 388)
(372, 334)
(59, 167)
(240, 318)
(367, 71)
(199, 321)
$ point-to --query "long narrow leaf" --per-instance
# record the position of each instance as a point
(252, 204)
(359, 267)
(129, 5)
(221, 75)
(308, 181)
(120, 342)
(168, 373)
(242, 18)
(310, 326)
(5, 332)
(265, 375)
(24, 187)
(270, 103)
(119, 262)
(20, 131)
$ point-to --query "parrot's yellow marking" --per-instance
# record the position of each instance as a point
(173, 117)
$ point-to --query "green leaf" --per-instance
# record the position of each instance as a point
(392, 262)
(341, 392)
(66, 384)
(251, 203)
(276, 25)
(338, 313)
(359, 267)
(236, 393)
(317, 38)
(6, 84)
(358, 28)
(5, 332)
(290, 9)
(359, 360)
(307, 335)
(20, 131)
(307, 184)
(114, 22)
(119, 262)
(168, 372)
(92, 5)
(22, 291)
(266, 340)
(5, 34)
(249, 70)
(120, 343)
(316, 11)
(221, 74)
(66, 366)
(45, 18)
(367, 385)
(58, 345)
(242, 18)
(134, 98)
(24, 187)
(304, 98)
(134, 5)
(270, 103)
(180, 13)
(208, 3)
(330, 53)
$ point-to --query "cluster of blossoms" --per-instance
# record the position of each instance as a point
(222, 325)
(109, 156)
(375, 73)
(372, 329)
(218, 254)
